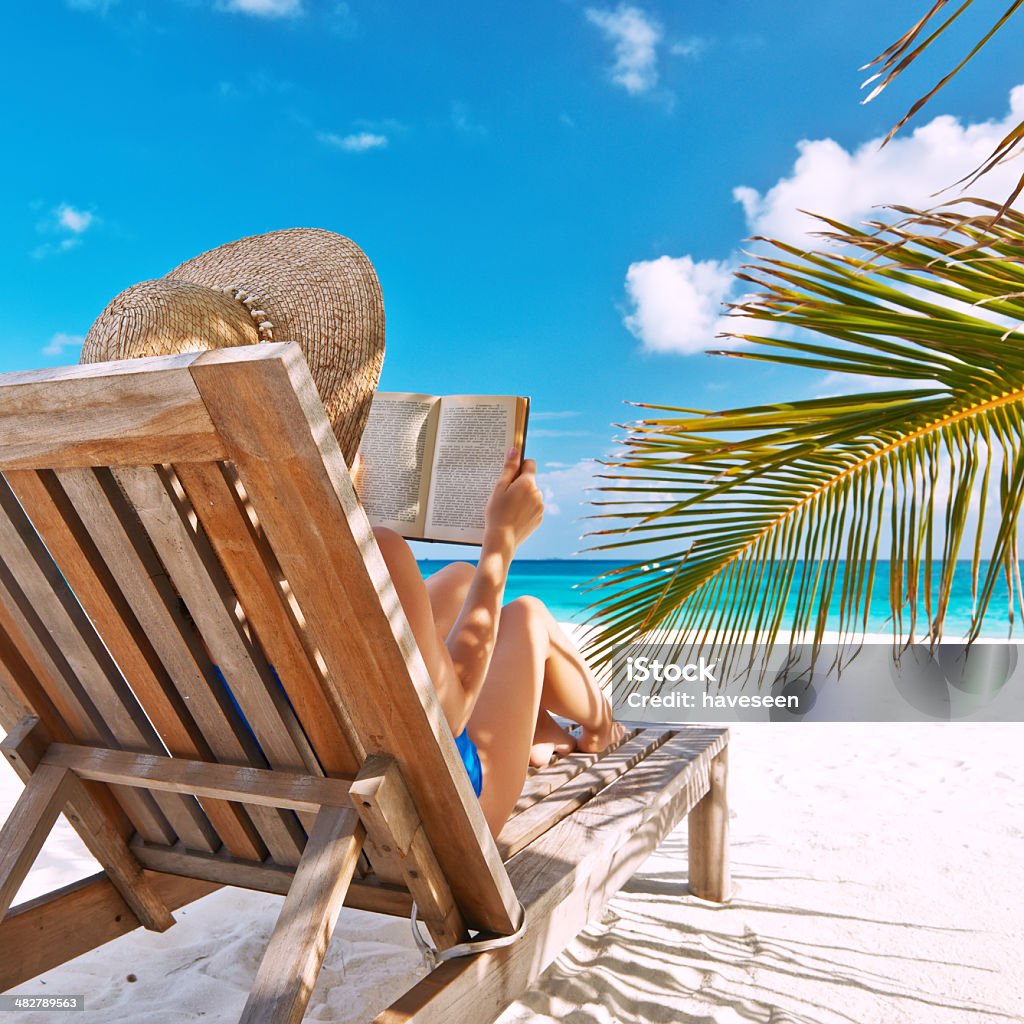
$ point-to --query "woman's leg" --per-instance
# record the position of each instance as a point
(447, 590)
(533, 665)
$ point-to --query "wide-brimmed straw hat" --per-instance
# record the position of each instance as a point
(305, 285)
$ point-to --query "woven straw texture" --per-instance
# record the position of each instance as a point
(305, 285)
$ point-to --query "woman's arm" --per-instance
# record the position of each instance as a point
(458, 664)
(513, 512)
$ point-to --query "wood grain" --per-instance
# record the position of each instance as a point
(383, 804)
(291, 963)
(48, 931)
(524, 827)
(88, 658)
(126, 551)
(129, 412)
(27, 827)
(48, 685)
(265, 406)
(363, 894)
(24, 749)
(102, 600)
(566, 877)
(708, 831)
(223, 782)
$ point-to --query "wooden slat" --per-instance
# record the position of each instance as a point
(708, 837)
(89, 660)
(10, 706)
(383, 803)
(212, 490)
(27, 826)
(363, 894)
(265, 405)
(256, 578)
(223, 782)
(566, 877)
(17, 676)
(95, 588)
(130, 412)
(52, 929)
(198, 579)
(125, 550)
(24, 748)
(538, 818)
(541, 782)
(55, 689)
(291, 963)
(113, 854)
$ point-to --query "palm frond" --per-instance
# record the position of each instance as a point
(898, 56)
(776, 513)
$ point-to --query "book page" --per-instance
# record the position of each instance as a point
(473, 434)
(395, 455)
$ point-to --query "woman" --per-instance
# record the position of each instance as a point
(500, 672)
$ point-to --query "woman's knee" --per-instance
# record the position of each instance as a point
(400, 563)
(455, 574)
(393, 546)
(529, 614)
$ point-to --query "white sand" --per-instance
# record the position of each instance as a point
(878, 879)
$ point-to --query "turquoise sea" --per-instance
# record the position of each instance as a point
(562, 583)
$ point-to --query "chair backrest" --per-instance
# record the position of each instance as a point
(163, 519)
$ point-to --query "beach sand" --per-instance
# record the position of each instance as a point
(877, 874)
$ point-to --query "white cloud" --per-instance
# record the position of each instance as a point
(693, 47)
(65, 221)
(462, 120)
(73, 220)
(61, 341)
(634, 36)
(828, 179)
(358, 142)
(264, 8)
(676, 301)
(565, 487)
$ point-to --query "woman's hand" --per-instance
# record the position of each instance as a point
(516, 505)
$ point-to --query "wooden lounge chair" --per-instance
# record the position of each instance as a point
(150, 503)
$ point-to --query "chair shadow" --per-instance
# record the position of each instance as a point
(619, 967)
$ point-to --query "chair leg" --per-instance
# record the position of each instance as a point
(708, 827)
(27, 827)
(291, 963)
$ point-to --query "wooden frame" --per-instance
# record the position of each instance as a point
(205, 667)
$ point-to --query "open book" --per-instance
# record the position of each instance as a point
(428, 464)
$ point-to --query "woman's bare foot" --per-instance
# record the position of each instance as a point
(593, 741)
(550, 740)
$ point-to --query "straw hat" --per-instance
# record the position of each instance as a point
(304, 285)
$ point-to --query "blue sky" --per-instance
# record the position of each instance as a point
(548, 190)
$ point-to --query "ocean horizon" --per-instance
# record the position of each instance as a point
(563, 584)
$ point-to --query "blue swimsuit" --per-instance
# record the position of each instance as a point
(467, 748)
(471, 759)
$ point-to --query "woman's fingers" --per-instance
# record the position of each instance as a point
(510, 469)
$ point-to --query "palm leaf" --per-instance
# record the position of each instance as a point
(775, 513)
(897, 57)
